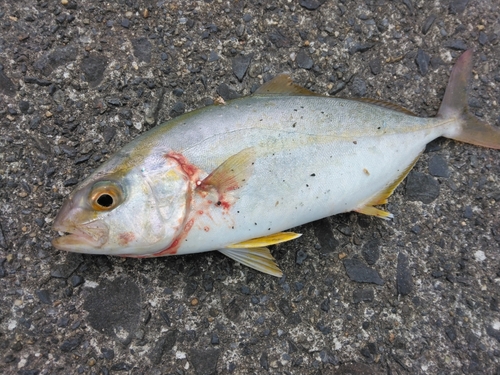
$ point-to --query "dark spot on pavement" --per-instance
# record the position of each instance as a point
(114, 308)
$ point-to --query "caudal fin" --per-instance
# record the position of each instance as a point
(454, 105)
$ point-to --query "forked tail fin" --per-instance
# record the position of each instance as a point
(454, 105)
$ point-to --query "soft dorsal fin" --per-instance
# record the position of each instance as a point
(387, 105)
(283, 85)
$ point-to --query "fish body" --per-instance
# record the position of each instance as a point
(314, 157)
(232, 177)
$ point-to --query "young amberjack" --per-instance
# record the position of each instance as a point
(232, 177)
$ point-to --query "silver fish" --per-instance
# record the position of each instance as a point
(233, 177)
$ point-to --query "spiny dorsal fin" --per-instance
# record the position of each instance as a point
(283, 85)
(258, 258)
(381, 197)
(272, 239)
(388, 105)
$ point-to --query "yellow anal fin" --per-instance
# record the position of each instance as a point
(258, 258)
(273, 239)
(382, 197)
(374, 211)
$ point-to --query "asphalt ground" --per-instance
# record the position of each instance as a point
(415, 295)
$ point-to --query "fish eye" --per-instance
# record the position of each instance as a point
(105, 200)
(105, 196)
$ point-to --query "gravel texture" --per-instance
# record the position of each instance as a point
(415, 295)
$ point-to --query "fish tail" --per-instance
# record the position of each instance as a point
(470, 129)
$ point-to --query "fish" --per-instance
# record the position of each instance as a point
(235, 176)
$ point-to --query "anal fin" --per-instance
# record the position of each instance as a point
(382, 197)
(258, 258)
(374, 211)
(272, 239)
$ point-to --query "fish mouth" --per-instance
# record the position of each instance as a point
(81, 238)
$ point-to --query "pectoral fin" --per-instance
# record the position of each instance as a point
(258, 258)
(273, 239)
(232, 174)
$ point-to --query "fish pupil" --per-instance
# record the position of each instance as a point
(105, 200)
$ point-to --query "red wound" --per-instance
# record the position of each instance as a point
(188, 168)
(174, 246)
(225, 205)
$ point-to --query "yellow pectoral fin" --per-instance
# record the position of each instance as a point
(273, 239)
(258, 258)
(233, 173)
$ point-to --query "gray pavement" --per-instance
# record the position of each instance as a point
(416, 295)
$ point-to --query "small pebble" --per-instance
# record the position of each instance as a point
(422, 60)
(215, 339)
(358, 86)
(429, 21)
(421, 187)
(376, 66)
(304, 61)
(404, 280)
(365, 295)
(240, 66)
(194, 302)
(300, 257)
(361, 273)
(438, 167)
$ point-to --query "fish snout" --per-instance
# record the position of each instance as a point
(82, 234)
(60, 223)
(82, 238)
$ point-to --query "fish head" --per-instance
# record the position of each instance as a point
(133, 211)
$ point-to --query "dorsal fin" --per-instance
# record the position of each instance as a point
(387, 105)
(283, 85)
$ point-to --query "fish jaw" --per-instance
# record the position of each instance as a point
(84, 238)
(88, 236)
